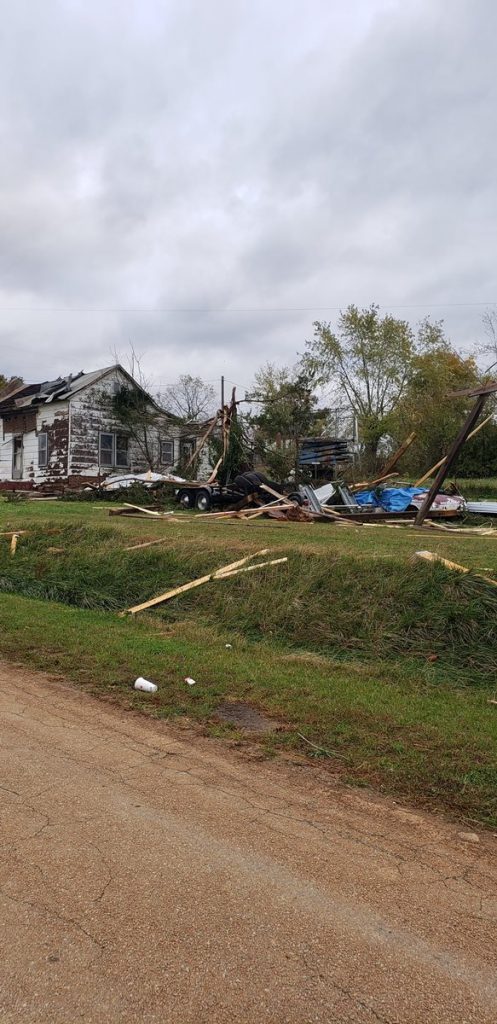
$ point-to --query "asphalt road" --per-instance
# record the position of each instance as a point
(150, 875)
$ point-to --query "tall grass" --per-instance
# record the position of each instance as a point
(316, 602)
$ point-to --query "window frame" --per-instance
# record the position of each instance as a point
(42, 462)
(119, 448)
(112, 450)
(169, 441)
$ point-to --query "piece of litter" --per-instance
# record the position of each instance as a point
(145, 684)
(469, 837)
(228, 646)
(190, 681)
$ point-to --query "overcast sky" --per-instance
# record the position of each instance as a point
(262, 159)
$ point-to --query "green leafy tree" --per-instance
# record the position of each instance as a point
(369, 359)
(7, 382)
(287, 411)
(141, 417)
(427, 408)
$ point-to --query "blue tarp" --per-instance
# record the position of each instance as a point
(367, 498)
(391, 499)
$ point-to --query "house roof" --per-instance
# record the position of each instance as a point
(60, 389)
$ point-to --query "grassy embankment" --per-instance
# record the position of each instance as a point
(386, 664)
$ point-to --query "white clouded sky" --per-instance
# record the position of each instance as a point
(262, 159)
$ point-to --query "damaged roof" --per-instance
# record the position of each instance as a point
(55, 390)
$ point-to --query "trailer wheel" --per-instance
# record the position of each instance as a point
(296, 497)
(185, 499)
(203, 501)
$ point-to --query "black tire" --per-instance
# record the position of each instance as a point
(297, 497)
(203, 501)
(186, 499)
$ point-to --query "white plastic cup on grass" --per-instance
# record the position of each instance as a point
(145, 684)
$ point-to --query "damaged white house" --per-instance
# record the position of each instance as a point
(68, 431)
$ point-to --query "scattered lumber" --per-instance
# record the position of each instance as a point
(248, 568)
(161, 598)
(11, 533)
(326, 512)
(275, 494)
(430, 556)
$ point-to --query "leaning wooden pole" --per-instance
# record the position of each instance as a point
(452, 454)
(397, 455)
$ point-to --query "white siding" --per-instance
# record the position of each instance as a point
(91, 413)
(52, 420)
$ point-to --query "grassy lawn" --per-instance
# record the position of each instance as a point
(387, 664)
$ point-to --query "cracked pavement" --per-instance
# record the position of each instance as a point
(150, 875)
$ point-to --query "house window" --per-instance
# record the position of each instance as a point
(42, 450)
(167, 453)
(106, 450)
(122, 458)
(113, 450)
(186, 449)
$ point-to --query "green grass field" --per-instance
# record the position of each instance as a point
(386, 664)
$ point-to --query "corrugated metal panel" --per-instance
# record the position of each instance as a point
(484, 508)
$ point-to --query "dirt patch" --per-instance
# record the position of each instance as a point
(244, 717)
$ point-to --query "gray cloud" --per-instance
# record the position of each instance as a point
(239, 155)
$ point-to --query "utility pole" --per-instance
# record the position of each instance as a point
(222, 392)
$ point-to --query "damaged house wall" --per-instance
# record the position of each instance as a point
(68, 430)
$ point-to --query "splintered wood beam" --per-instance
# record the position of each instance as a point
(202, 441)
(399, 453)
(451, 456)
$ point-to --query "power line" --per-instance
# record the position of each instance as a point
(237, 309)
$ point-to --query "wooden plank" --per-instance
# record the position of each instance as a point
(201, 443)
(484, 389)
(148, 511)
(275, 494)
(401, 450)
(452, 454)
(372, 483)
(13, 544)
(437, 465)
(272, 506)
(146, 544)
(12, 533)
(248, 568)
(161, 598)
(327, 511)
(430, 556)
